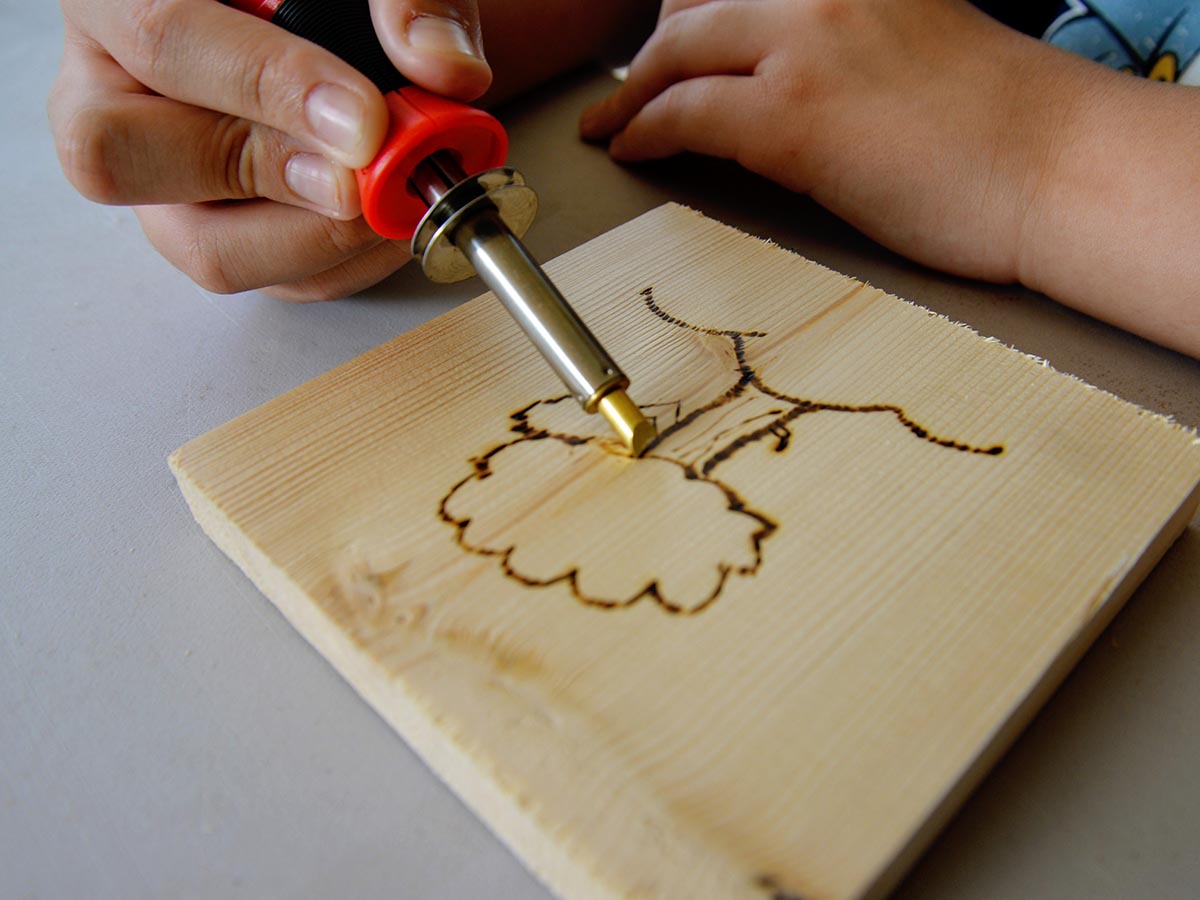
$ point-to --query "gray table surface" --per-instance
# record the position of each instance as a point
(163, 731)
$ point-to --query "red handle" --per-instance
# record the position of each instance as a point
(264, 9)
(421, 123)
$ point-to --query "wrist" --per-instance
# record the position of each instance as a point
(1059, 98)
(1110, 228)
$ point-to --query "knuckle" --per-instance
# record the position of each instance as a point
(206, 264)
(265, 68)
(190, 245)
(677, 27)
(153, 21)
(787, 83)
(671, 30)
(236, 155)
(254, 79)
(86, 141)
(718, 15)
(844, 20)
(213, 277)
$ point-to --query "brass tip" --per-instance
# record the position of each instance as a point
(635, 430)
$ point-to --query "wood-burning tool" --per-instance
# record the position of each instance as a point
(440, 181)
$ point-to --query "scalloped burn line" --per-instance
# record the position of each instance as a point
(482, 467)
(747, 377)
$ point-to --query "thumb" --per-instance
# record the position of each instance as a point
(435, 43)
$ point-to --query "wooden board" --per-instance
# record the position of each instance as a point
(766, 661)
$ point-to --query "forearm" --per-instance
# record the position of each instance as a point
(530, 41)
(944, 135)
(1113, 229)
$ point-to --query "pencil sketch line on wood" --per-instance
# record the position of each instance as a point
(545, 461)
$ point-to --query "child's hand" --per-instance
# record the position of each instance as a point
(944, 135)
(174, 106)
(898, 115)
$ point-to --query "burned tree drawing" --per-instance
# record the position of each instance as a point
(532, 501)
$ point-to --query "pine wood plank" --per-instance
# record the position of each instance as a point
(767, 661)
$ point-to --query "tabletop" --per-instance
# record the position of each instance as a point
(166, 733)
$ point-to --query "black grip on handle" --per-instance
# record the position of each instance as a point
(344, 28)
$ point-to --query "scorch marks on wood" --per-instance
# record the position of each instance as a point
(512, 505)
(897, 596)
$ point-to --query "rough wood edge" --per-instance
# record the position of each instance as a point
(564, 872)
(998, 744)
(554, 864)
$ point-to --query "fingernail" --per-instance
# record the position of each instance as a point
(335, 115)
(440, 35)
(313, 178)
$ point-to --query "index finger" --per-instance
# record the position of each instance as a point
(704, 39)
(209, 55)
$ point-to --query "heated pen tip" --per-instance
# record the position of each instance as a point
(635, 430)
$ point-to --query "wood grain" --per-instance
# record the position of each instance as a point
(766, 661)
